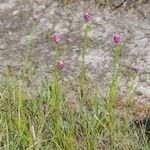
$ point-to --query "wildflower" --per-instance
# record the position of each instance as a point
(34, 18)
(69, 40)
(87, 16)
(60, 64)
(135, 68)
(56, 37)
(117, 39)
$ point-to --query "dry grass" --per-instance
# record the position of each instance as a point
(137, 110)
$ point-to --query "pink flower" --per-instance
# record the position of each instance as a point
(117, 39)
(56, 37)
(34, 18)
(135, 68)
(87, 16)
(69, 40)
(60, 64)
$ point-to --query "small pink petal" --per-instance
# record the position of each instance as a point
(136, 68)
(35, 18)
(56, 37)
(87, 17)
(60, 64)
(117, 39)
(69, 40)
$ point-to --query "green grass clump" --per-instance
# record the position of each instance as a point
(29, 121)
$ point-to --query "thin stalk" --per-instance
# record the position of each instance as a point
(113, 92)
(56, 78)
(82, 72)
(27, 54)
(129, 93)
(66, 47)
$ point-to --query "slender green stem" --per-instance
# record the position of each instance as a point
(56, 78)
(66, 47)
(82, 73)
(113, 91)
(27, 53)
(129, 93)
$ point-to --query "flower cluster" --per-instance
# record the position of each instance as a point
(60, 64)
(87, 17)
(69, 40)
(35, 18)
(56, 37)
(117, 39)
(135, 68)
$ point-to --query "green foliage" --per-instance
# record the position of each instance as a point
(29, 121)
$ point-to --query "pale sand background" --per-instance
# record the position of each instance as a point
(132, 24)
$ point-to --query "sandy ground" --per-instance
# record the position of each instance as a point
(133, 24)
